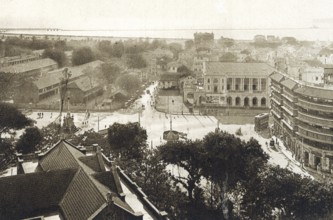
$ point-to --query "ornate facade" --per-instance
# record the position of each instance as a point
(303, 118)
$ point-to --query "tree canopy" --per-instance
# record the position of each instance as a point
(127, 140)
(136, 61)
(12, 118)
(228, 57)
(82, 55)
(57, 55)
(128, 82)
(110, 71)
(29, 140)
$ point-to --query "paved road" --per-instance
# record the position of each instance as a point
(156, 123)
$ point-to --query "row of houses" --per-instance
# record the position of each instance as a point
(81, 86)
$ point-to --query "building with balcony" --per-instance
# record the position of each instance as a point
(235, 85)
(303, 117)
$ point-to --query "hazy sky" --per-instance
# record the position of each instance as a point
(162, 14)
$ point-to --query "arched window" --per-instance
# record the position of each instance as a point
(238, 101)
(246, 101)
(263, 101)
(229, 100)
(254, 101)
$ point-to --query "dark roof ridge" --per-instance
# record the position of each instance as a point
(63, 142)
(72, 182)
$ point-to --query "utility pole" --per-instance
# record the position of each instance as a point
(62, 92)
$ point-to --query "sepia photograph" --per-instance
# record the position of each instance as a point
(166, 110)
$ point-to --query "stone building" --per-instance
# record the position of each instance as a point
(238, 85)
(303, 117)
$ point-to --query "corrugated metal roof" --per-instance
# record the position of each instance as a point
(28, 66)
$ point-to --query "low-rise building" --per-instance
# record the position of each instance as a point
(67, 182)
(83, 89)
(25, 58)
(48, 85)
(169, 80)
(35, 68)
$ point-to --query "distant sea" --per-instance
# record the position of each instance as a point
(312, 34)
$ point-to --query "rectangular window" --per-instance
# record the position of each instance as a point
(208, 88)
(215, 89)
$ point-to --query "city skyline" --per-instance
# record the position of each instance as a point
(158, 14)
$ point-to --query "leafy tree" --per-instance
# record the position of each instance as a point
(118, 49)
(128, 82)
(82, 55)
(230, 161)
(6, 85)
(57, 55)
(189, 44)
(29, 140)
(136, 61)
(226, 42)
(105, 46)
(11, 118)
(134, 49)
(110, 71)
(187, 155)
(228, 57)
(295, 196)
(184, 71)
(246, 52)
(60, 45)
(127, 140)
(175, 48)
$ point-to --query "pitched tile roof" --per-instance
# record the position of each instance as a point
(110, 179)
(61, 156)
(250, 69)
(80, 190)
(84, 84)
(82, 198)
(92, 162)
(170, 76)
(25, 195)
(28, 66)
(53, 77)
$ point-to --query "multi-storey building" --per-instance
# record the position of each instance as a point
(239, 85)
(303, 118)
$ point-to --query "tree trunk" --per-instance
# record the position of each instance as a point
(224, 198)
